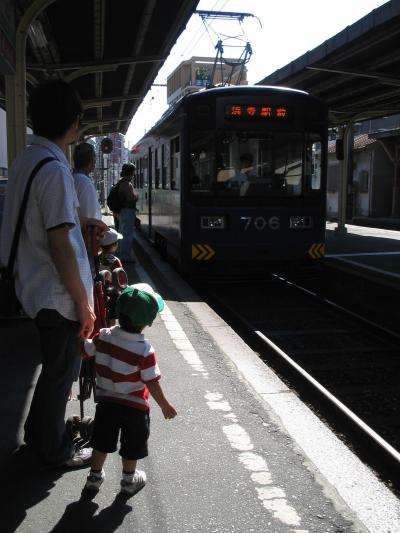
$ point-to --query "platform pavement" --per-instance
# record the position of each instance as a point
(361, 239)
(227, 463)
(372, 252)
(221, 465)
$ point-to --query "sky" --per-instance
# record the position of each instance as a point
(279, 32)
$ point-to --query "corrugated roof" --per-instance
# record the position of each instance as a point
(356, 71)
(109, 51)
(360, 142)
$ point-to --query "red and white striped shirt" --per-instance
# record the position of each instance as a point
(125, 362)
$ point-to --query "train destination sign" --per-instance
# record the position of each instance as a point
(263, 112)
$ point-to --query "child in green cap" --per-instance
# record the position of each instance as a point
(126, 372)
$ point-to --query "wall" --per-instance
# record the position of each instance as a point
(382, 185)
(362, 181)
(373, 182)
(193, 74)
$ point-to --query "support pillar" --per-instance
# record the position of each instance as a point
(16, 102)
(396, 184)
(10, 119)
(342, 195)
(16, 85)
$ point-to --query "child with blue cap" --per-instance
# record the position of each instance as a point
(126, 372)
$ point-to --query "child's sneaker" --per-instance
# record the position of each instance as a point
(94, 480)
(137, 483)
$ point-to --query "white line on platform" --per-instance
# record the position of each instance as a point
(273, 498)
(368, 267)
(362, 254)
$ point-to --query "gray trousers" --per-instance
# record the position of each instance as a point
(45, 430)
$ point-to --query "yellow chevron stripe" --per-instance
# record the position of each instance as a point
(317, 250)
(202, 252)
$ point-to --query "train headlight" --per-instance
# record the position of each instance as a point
(301, 222)
(213, 222)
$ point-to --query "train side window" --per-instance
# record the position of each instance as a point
(150, 172)
(137, 178)
(135, 181)
(157, 172)
(313, 165)
(145, 179)
(202, 161)
(175, 164)
(140, 176)
(163, 168)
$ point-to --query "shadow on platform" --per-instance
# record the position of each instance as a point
(19, 355)
(25, 483)
(79, 515)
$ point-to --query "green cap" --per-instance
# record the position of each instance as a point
(140, 303)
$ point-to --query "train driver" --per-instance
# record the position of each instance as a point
(246, 171)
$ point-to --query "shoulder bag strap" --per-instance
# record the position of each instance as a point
(21, 214)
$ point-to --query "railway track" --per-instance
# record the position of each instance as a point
(346, 366)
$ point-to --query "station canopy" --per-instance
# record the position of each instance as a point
(110, 51)
(356, 72)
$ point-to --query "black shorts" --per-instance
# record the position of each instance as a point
(134, 425)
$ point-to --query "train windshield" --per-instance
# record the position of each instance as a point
(239, 163)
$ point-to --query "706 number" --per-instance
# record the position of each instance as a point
(261, 223)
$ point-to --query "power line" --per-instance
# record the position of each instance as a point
(191, 44)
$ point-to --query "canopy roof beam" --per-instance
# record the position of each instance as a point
(97, 65)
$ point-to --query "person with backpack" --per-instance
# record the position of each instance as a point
(122, 202)
(113, 204)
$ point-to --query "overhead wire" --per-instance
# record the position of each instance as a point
(208, 32)
(202, 25)
(243, 31)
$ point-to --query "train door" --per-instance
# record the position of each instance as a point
(150, 189)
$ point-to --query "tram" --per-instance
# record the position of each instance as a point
(235, 176)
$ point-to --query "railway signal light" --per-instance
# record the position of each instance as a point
(106, 146)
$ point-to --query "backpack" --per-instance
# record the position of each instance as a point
(113, 201)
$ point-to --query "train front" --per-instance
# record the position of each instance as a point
(256, 158)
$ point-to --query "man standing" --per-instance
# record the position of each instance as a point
(84, 164)
(53, 280)
(128, 197)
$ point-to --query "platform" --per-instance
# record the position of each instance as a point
(243, 455)
(371, 252)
